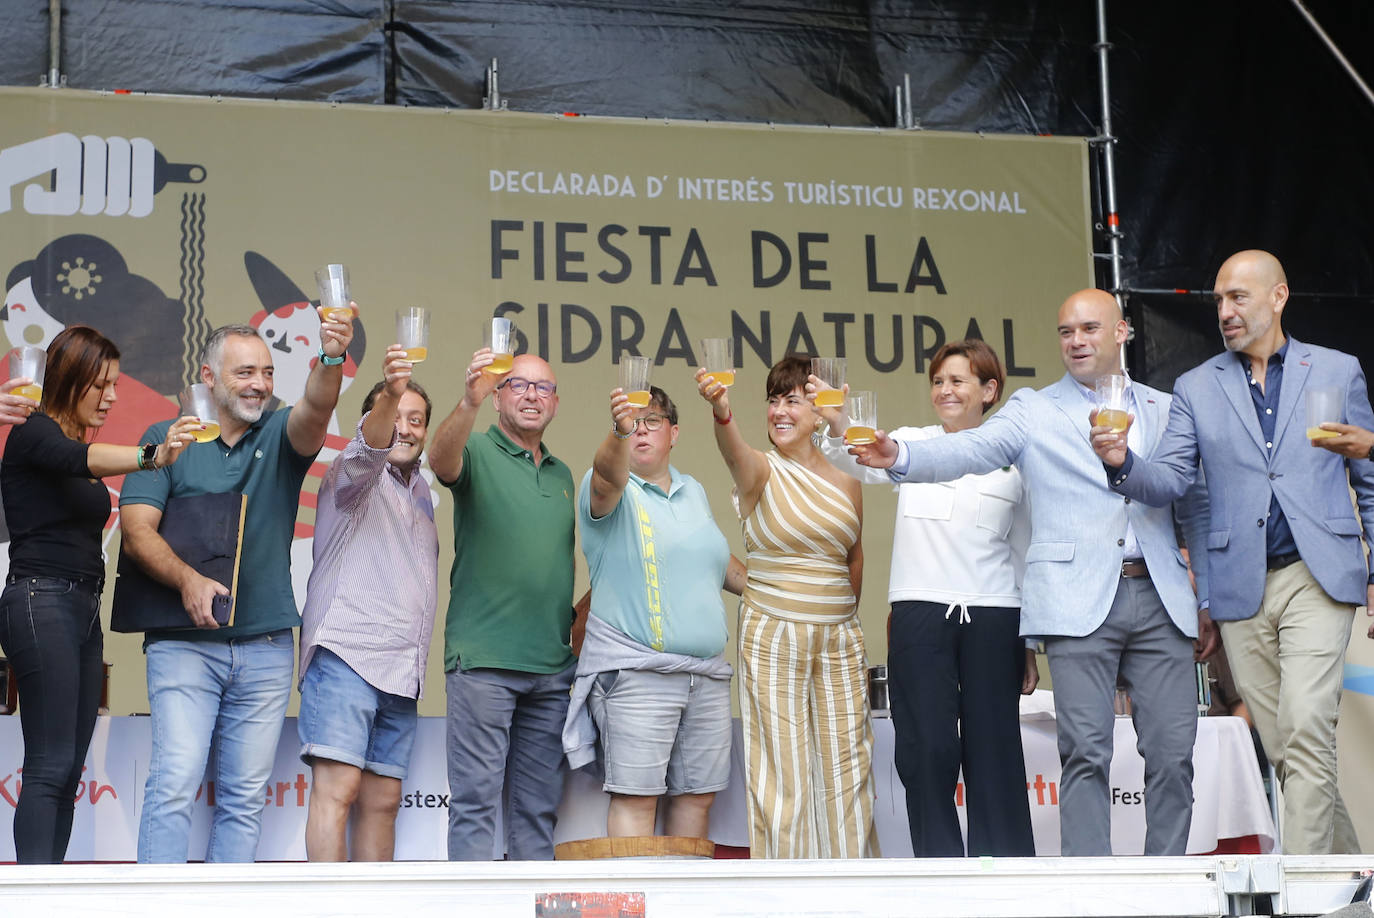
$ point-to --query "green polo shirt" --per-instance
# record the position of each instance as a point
(510, 598)
(267, 469)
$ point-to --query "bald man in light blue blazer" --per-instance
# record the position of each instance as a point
(1105, 586)
(1284, 553)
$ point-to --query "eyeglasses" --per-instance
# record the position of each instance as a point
(517, 387)
(651, 422)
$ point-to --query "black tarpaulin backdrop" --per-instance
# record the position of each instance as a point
(1237, 127)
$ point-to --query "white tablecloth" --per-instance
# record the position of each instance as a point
(1227, 788)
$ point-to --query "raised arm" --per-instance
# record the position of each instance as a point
(446, 449)
(107, 459)
(309, 420)
(1173, 466)
(356, 470)
(611, 465)
(379, 430)
(748, 467)
(998, 442)
(151, 552)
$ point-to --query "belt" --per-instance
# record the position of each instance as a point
(95, 584)
(1279, 562)
(1133, 570)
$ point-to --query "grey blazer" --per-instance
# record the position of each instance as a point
(1213, 419)
(1078, 525)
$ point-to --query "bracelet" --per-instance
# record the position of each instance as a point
(330, 361)
(615, 429)
(727, 419)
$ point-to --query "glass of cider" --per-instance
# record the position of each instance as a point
(634, 379)
(1112, 409)
(862, 408)
(198, 401)
(829, 370)
(412, 332)
(498, 333)
(29, 361)
(718, 357)
(335, 295)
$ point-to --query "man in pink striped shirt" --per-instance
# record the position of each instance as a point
(369, 613)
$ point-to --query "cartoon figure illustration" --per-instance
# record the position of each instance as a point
(82, 279)
(289, 324)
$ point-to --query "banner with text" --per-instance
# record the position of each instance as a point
(157, 219)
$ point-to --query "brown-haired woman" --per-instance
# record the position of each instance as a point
(808, 738)
(956, 662)
(56, 507)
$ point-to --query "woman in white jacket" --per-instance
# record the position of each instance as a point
(956, 661)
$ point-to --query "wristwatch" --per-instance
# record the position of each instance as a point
(147, 456)
(1370, 457)
(330, 361)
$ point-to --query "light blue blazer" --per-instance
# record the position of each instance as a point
(1213, 419)
(1078, 525)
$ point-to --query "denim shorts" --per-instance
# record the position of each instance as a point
(662, 732)
(345, 719)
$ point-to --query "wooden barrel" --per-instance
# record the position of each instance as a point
(591, 849)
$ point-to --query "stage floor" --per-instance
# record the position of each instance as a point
(662, 888)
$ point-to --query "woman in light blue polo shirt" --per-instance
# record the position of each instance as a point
(652, 680)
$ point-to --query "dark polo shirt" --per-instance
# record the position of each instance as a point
(267, 469)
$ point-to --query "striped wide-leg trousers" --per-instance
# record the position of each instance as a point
(808, 737)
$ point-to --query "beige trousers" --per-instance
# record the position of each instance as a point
(1288, 662)
(808, 738)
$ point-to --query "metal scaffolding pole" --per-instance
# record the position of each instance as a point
(1335, 51)
(1106, 142)
(54, 79)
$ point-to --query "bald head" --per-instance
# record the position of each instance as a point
(533, 367)
(1250, 292)
(1257, 263)
(525, 415)
(1099, 302)
(1091, 332)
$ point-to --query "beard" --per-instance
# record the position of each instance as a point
(230, 404)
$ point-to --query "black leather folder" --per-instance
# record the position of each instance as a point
(205, 531)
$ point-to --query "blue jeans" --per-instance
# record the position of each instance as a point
(232, 695)
(505, 733)
(50, 631)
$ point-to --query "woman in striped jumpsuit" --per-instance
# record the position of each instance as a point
(808, 737)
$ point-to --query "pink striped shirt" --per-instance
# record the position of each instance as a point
(372, 596)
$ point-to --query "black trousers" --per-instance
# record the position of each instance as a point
(50, 632)
(955, 690)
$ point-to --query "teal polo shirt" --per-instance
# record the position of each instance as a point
(510, 597)
(657, 565)
(267, 469)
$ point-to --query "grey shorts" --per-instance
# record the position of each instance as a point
(662, 732)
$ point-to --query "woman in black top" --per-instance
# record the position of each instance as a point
(56, 507)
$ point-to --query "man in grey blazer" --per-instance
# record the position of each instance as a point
(1106, 586)
(1286, 564)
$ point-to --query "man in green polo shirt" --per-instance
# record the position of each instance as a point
(507, 655)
